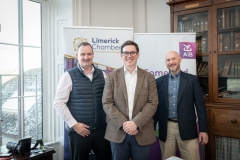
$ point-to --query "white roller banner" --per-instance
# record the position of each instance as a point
(106, 43)
(153, 48)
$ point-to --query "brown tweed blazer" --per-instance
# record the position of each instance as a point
(115, 105)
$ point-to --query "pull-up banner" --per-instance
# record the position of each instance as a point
(154, 47)
(106, 43)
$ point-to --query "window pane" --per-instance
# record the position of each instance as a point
(9, 21)
(31, 23)
(32, 71)
(33, 117)
(9, 60)
(10, 119)
(8, 86)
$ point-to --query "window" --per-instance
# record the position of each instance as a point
(20, 70)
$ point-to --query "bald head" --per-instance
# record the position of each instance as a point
(172, 53)
(173, 61)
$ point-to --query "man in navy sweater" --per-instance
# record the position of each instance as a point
(78, 102)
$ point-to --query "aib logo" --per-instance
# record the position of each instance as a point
(187, 50)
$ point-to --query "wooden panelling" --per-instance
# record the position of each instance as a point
(225, 120)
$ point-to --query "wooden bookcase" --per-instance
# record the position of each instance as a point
(217, 27)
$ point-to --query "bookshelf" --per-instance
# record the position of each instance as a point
(217, 27)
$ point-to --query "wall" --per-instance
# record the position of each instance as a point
(145, 16)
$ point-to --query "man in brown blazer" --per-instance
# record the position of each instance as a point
(130, 101)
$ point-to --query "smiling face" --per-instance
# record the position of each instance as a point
(173, 61)
(129, 61)
(85, 57)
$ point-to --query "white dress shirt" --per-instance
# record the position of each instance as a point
(131, 81)
(62, 95)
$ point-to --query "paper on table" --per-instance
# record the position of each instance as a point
(174, 158)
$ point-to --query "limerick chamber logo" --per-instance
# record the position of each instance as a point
(187, 50)
(77, 41)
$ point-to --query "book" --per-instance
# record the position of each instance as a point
(190, 22)
(225, 67)
(231, 41)
(219, 18)
(195, 24)
(232, 66)
(188, 25)
(228, 67)
(227, 17)
(200, 67)
(236, 67)
(204, 44)
(199, 46)
(180, 26)
(202, 23)
(198, 24)
(220, 71)
(232, 17)
(205, 71)
(220, 42)
(237, 41)
(223, 18)
(226, 41)
(185, 26)
(237, 16)
(205, 23)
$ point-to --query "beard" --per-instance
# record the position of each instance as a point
(175, 69)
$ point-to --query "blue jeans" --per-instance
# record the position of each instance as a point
(129, 148)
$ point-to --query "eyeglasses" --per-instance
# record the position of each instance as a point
(129, 53)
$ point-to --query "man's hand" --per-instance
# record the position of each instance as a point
(134, 132)
(130, 127)
(81, 129)
(203, 138)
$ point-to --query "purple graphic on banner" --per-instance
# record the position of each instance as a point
(187, 50)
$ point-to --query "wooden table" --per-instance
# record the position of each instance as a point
(47, 155)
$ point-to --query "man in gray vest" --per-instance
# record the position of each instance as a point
(78, 102)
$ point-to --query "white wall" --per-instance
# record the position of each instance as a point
(145, 16)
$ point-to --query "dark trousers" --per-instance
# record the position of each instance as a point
(130, 148)
(81, 146)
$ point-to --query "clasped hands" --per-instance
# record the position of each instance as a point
(130, 127)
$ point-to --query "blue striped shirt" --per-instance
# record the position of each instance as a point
(173, 85)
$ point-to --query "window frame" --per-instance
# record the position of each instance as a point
(20, 76)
